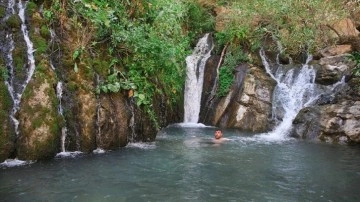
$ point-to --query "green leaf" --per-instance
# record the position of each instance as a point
(104, 89)
(141, 96)
(112, 78)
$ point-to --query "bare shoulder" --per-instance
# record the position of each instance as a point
(221, 140)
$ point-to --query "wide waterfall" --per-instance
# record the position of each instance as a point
(195, 77)
(295, 89)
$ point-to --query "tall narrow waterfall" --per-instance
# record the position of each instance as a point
(295, 90)
(16, 87)
(195, 77)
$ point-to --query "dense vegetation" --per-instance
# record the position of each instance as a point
(146, 41)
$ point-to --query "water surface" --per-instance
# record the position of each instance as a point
(183, 165)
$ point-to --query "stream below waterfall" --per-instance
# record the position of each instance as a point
(184, 165)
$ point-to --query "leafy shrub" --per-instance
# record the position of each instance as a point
(233, 57)
(298, 25)
(355, 56)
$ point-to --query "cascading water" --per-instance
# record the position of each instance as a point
(295, 90)
(195, 77)
(17, 88)
(59, 93)
(17, 81)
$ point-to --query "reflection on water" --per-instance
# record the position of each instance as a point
(184, 165)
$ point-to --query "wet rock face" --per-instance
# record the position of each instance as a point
(113, 118)
(248, 105)
(208, 97)
(331, 69)
(87, 117)
(306, 124)
(332, 123)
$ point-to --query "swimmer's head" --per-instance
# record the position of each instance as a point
(218, 134)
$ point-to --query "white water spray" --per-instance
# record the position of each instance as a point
(295, 90)
(195, 77)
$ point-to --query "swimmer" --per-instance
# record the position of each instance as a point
(218, 137)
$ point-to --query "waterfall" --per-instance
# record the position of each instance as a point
(195, 77)
(59, 93)
(295, 89)
(17, 88)
(15, 83)
(59, 90)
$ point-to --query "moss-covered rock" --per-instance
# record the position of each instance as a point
(38, 117)
(45, 32)
(14, 22)
(31, 7)
(7, 135)
(40, 44)
(2, 12)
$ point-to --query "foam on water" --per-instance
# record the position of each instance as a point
(142, 145)
(189, 125)
(68, 154)
(14, 163)
(99, 151)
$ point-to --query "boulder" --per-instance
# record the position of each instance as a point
(336, 50)
(332, 123)
(345, 28)
(248, 104)
(332, 69)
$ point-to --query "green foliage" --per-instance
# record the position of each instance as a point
(199, 19)
(114, 83)
(54, 10)
(40, 43)
(355, 56)
(298, 25)
(226, 73)
(31, 7)
(45, 32)
(76, 57)
(48, 15)
(150, 39)
(3, 74)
